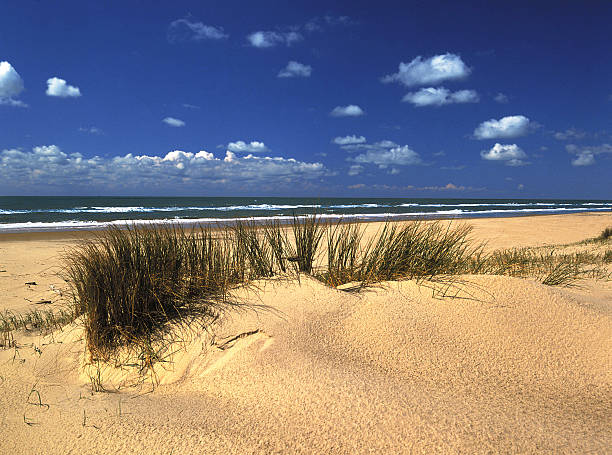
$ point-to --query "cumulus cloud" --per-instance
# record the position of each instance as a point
(506, 127)
(247, 147)
(585, 155)
(49, 166)
(264, 39)
(351, 110)
(187, 30)
(396, 156)
(383, 153)
(60, 88)
(295, 69)
(501, 98)
(347, 140)
(585, 158)
(175, 122)
(510, 154)
(11, 85)
(432, 96)
(430, 71)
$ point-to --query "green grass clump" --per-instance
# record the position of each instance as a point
(606, 234)
(344, 254)
(417, 251)
(410, 251)
(129, 283)
(36, 320)
(545, 264)
(307, 234)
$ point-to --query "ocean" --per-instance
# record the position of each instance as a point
(25, 213)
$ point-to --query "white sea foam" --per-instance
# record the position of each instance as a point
(275, 207)
(77, 224)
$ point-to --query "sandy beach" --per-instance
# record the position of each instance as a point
(509, 365)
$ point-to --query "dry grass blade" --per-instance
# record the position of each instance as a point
(344, 261)
(307, 233)
(129, 283)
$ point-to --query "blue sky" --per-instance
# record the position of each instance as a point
(414, 99)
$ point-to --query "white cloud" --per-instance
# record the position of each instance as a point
(49, 166)
(264, 39)
(355, 169)
(58, 87)
(570, 133)
(295, 69)
(317, 24)
(90, 130)
(396, 188)
(247, 147)
(506, 127)
(457, 167)
(351, 110)
(12, 102)
(397, 156)
(362, 146)
(346, 140)
(11, 85)
(433, 70)
(501, 98)
(585, 158)
(186, 30)
(585, 155)
(465, 96)
(171, 121)
(432, 96)
(510, 154)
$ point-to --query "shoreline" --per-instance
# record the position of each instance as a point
(83, 233)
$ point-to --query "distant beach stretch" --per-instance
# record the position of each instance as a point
(65, 213)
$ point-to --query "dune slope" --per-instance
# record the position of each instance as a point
(516, 367)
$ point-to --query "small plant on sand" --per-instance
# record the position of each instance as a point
(544, 263)
(129, 283)
(307, 233)
(606, 234)
(344, 254)
(36, 320)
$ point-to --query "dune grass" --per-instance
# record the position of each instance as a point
(546, 264)
(131, 285)
(36, 320)
(606, 234)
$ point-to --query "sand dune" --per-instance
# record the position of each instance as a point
(510, 366)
